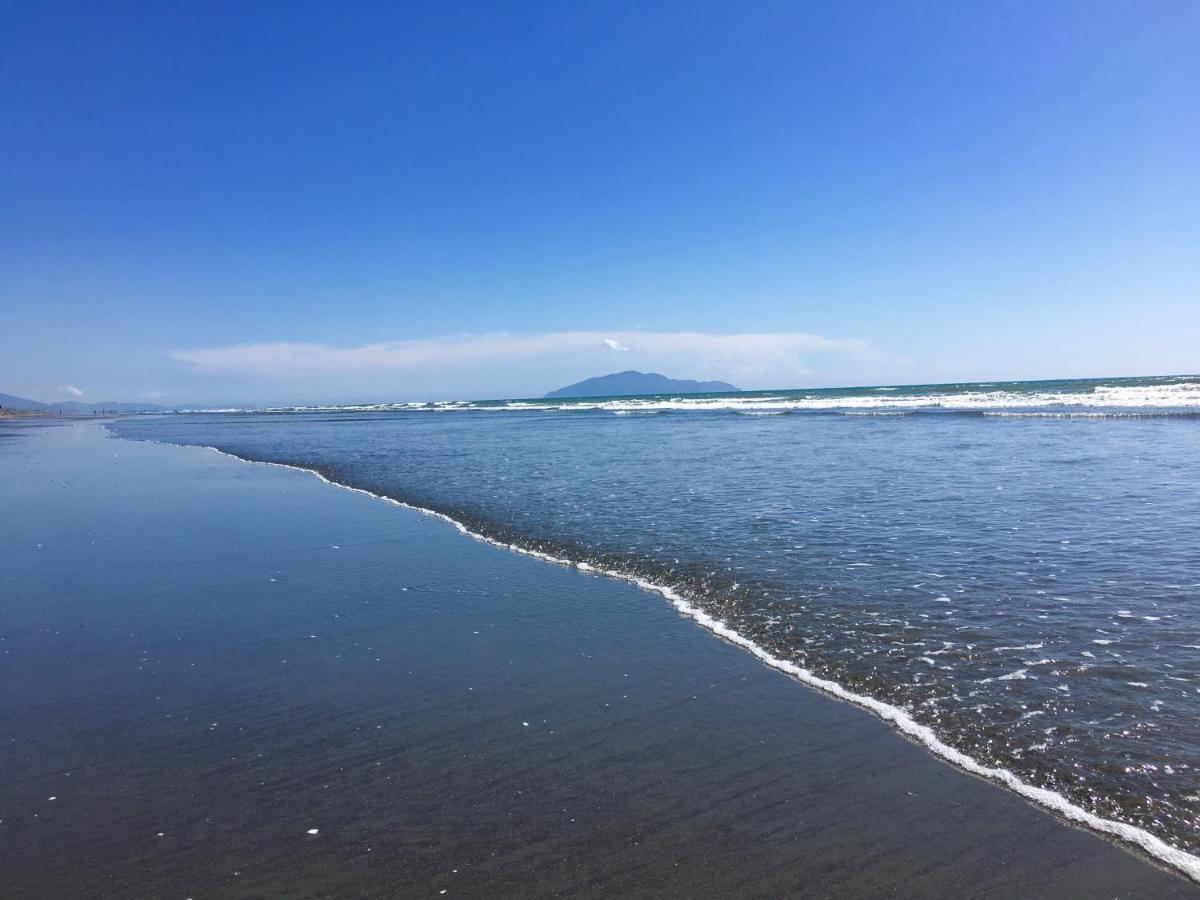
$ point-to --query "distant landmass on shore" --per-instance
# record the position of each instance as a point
(74, 407)
(631, 382)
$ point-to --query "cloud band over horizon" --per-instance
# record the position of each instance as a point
(471, 362)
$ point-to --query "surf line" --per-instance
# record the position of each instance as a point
(1150, 844)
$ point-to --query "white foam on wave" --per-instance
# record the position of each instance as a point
(1038, 646)
(1018, 675)
(1109, 414)
(901, 719)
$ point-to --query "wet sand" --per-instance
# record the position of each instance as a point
(201, 660)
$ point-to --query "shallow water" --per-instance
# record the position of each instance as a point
(224, 679)
(1022, 578)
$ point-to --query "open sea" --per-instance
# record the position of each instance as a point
(1009, 572)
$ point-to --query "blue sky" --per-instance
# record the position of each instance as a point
(270, 202)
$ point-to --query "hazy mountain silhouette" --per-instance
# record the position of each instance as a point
(76, 407)
(8, 401)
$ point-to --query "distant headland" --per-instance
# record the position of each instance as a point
(621, 384)
(10, 405)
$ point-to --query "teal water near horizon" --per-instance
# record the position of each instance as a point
(1015, 566)
(1154, 393)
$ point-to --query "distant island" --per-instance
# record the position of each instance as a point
(621, 384)
(9, 403)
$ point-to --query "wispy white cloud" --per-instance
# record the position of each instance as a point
(70, 390)
(505, 364)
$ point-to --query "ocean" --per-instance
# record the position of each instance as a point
(1009, 572)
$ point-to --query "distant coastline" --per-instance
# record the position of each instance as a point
(13, 405)
(6, 413)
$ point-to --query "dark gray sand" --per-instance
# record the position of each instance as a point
(201, 660)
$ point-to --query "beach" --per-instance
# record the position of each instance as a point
(227, 679)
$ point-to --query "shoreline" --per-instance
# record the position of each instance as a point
(1127, 836)
(266, 687)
